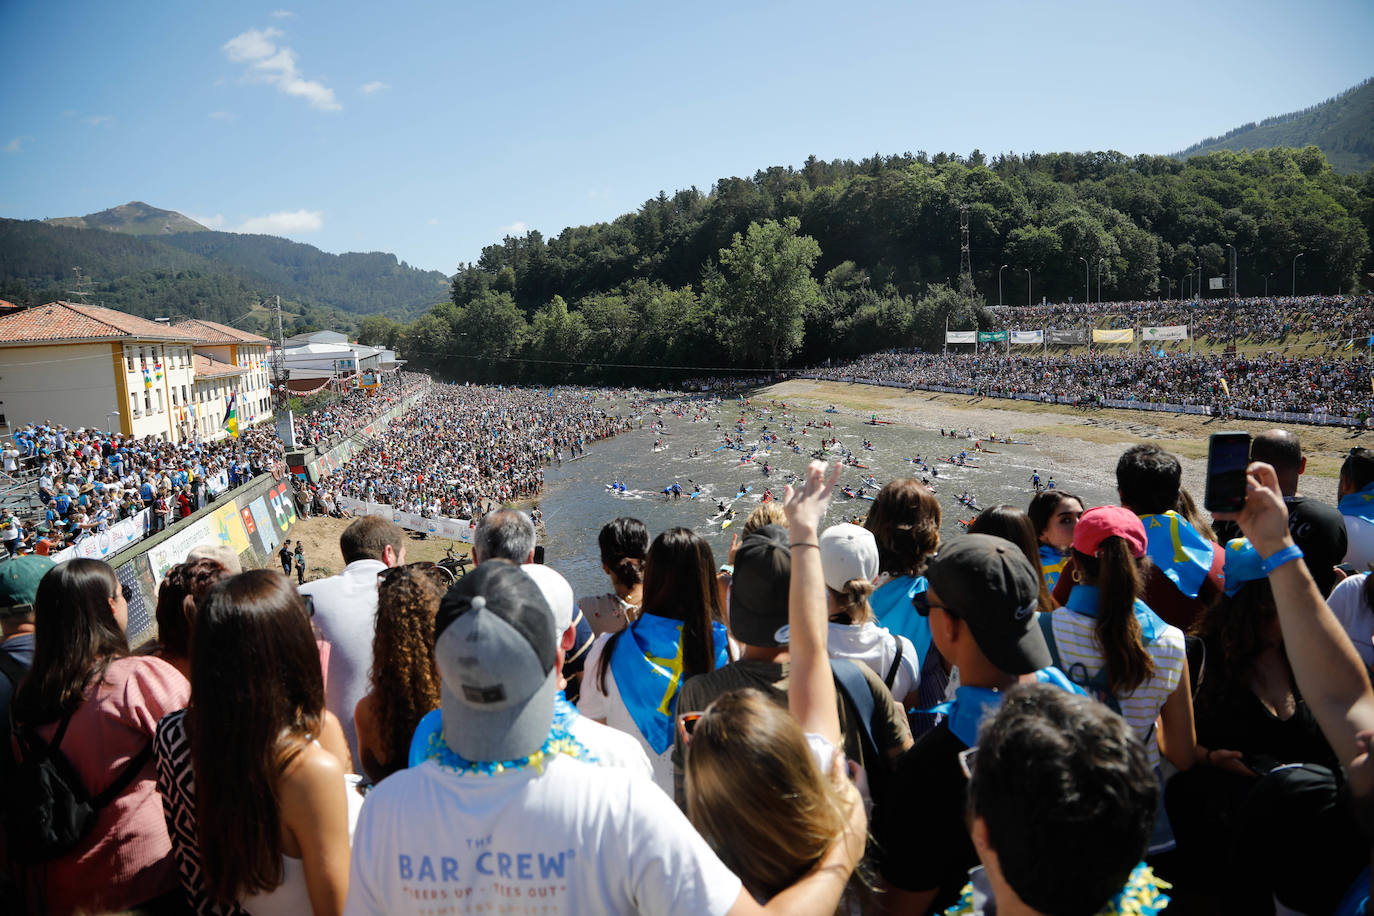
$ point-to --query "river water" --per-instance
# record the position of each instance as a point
(576, 502)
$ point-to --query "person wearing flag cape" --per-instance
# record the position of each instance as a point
(1355, 500)
(633, 676)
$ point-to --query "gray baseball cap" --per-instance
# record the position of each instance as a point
(494, 645)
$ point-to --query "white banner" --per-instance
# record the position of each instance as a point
(455, 529)
(1216, 282)
(174, 550)
(102, 544)
(216, 484)
(1168, 332)
(961, 337)
(1027, 337)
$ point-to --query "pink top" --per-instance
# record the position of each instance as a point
(127, 857)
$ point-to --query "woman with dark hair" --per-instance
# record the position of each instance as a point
(1053, 515)
(260, 812)
(107, 704)
(183, 586)
(624, 544)
(1010, 523)
(405, 683)
(1269, 775)
(633, 676)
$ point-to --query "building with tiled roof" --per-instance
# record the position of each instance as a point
(85, 365)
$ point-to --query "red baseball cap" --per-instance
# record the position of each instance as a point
(1096, 525)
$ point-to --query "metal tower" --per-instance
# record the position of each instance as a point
(965, 263)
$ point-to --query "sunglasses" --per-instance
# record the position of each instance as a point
(922, 603)
(689, 720)
(966, 758)
(432, 571)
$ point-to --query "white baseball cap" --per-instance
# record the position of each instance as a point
(557, 592)
(848, 552)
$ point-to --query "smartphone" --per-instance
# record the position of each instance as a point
(539, 554)
(1228, 455)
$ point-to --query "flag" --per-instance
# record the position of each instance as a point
(1370, 342)
(647, 659)
(1180, 552)
(147, 379)
(231, 421)
(1349, 344)
(1224, 387)
(157, 367)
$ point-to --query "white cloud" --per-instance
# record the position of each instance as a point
(223, 115)
(516, 228)
(284, 223)
(209, 222)
(282, 14)
(17, 144)
(98, 120)
(276, 64)
(374, 86)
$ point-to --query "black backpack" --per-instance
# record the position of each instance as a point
(47, 811)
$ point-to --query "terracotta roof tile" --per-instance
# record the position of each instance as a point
(216, 333)
(207, 367)
(74, 321)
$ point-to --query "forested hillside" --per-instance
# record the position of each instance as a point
(842, 257)
(1342, 127)
(206, 274)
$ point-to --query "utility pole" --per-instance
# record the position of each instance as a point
(965, 263)
(279, 380)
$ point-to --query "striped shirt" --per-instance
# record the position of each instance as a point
(1077, 644)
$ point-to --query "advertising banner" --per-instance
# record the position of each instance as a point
(1167, 332)
(1117, 336)
(100, 545)
(266, 527)
(1066, 336)
(961, 337)
(992, 336)
(1027, 337)
(217, 483)
(228, 528)
(174, 550)
(281, 503)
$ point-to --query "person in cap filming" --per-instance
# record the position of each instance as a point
(509, 808)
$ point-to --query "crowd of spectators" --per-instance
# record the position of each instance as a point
(463, 447)
(1254, 320)
(736, 748)
(357, 407)
(1326, 386)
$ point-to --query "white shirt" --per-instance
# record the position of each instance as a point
(1359, 535)
(574, 839)
(610, 707)
(1356, 617)
(346, 613)
(872, 645)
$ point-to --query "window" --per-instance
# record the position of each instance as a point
(183, 395)
(147, 401)
(129, 358)
(159, 400)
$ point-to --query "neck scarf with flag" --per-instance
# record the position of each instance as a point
(1359, 504)
(971, 705)
(1176, 547)
(647, 662)
(1052, 563)
(1084, 600)
(231, 420)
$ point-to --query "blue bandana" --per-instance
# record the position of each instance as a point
(971, 705)
(1359, 504)
(1084, 600)
(1052, 564)
(1243, 564)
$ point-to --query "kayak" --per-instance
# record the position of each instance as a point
(957, 464)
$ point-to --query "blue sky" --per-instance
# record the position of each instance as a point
(431, 129)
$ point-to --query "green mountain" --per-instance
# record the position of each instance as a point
(1342, 127)
(133, 218)
(185, 269)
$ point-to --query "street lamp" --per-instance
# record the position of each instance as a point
(1170, 290)
(108, 428)
(1266, 285)
(1087, 290)
(1099, 280)
(999, 284)
(1197, 287)
(1028, 299)
(1233, 269)
(1295, 273)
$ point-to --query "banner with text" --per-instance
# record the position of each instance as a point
(455, 529)
(1168, 332)
(961, 337)
(1027, 337)
(101, 544)
(992, 336)
(1066, 336)
(1113, 336)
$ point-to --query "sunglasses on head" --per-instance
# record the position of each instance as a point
(689, 723)
(922, 603)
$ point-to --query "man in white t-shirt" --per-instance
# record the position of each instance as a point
(345, 608)
(543, 830)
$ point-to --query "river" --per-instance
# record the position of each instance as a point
(576, 502)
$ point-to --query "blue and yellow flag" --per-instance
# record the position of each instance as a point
(647, 664)
(1052, 564)
(1359, 504)
(1176, 547)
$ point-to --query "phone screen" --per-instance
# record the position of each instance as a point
(1228, 454)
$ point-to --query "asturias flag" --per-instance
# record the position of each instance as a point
(231, 420)
(647, 661)
(1176, 547)
(1359, 504)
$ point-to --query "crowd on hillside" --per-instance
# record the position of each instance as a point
(841, 719)
(462, 448)
(356, 408)
(1302, 385)
(1254, 320)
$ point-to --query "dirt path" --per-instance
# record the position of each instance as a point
(322, 557)
(1094, 437)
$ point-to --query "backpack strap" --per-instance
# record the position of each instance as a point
(853, 689)
(1098, 686)
(896, 664)
(125, 777)
(34, 745)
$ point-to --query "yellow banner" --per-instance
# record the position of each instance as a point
(227, 528)
(1124, 336)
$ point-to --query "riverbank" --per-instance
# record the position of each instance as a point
(1070, 436)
